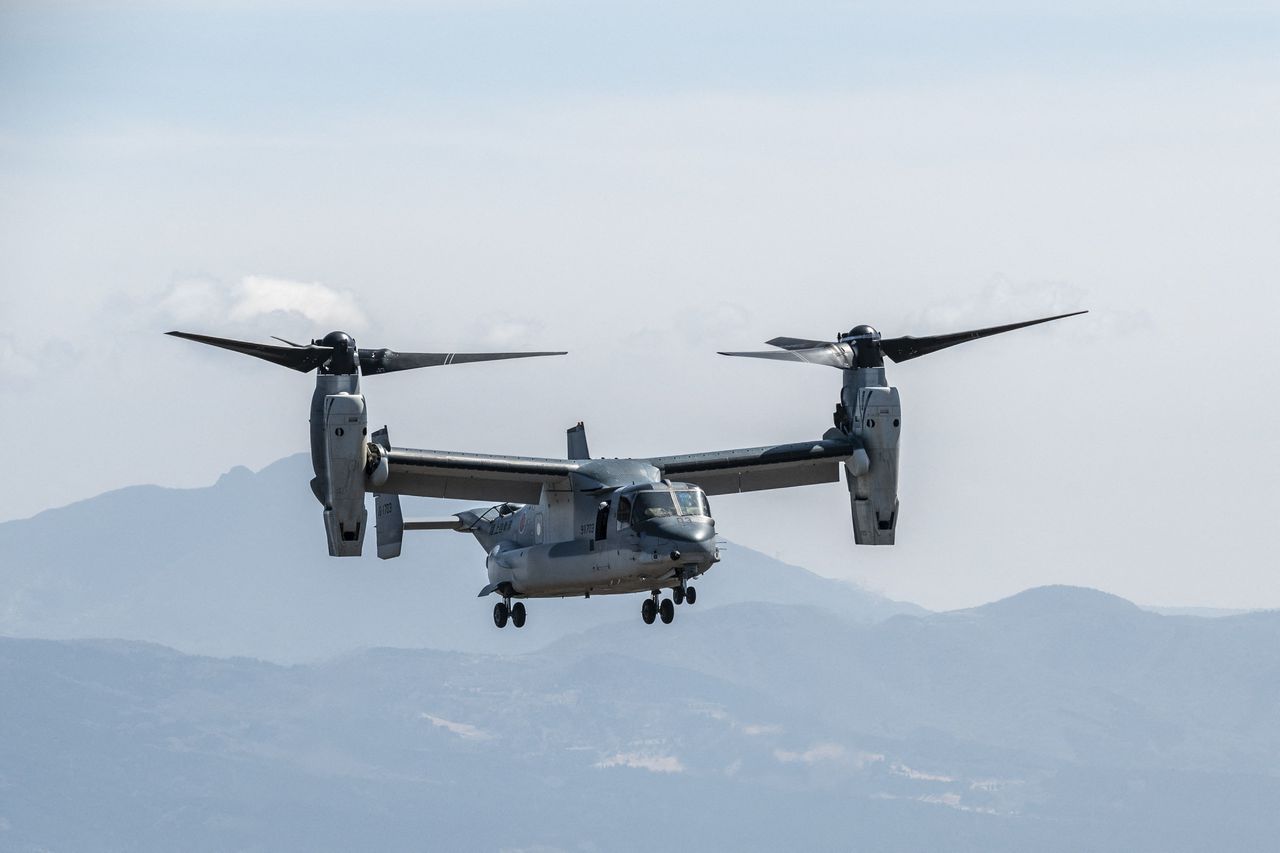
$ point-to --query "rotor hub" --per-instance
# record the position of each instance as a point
(345, 358)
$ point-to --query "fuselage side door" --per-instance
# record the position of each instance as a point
(602, 522)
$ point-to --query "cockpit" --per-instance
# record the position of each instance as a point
(664, 504)
(636, 508)
(671, 518)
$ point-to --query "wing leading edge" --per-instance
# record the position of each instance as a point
(724, 472)
(473, 476)
(520, 479)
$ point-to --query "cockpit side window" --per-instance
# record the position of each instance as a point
(624, 512)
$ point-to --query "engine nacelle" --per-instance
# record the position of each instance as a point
(872, 472)
(342, 486)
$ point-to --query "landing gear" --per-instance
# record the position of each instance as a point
(684, 595)
(677, 595)
(504, 610)
(690, 594)
(649, 610)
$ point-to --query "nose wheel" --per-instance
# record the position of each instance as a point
(502, 611)
(684, 595)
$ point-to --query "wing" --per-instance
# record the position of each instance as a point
(723, 472)
(472, 476)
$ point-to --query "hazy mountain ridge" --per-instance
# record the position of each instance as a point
(783, 711)
(240, 567)
(776, 724)
(1093, 678)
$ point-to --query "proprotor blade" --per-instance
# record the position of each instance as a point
(301, 358)
(830, 355)
(794, 343)
(907, 348)
(374, 361)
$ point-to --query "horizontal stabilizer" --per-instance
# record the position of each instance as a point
(450, 523)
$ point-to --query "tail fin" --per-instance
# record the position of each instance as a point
(578, 442)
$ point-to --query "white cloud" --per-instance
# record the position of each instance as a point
(255, 297)
(16, 362)
(504, 330)
(194, 300)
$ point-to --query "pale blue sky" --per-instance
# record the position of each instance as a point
(644, 186)
(68, 65)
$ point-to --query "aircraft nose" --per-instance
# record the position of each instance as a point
(683, 530)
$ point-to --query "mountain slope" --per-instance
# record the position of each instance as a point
(241, 568)
(747, 727)
(1067, 673)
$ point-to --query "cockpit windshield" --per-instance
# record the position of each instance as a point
(663, 504)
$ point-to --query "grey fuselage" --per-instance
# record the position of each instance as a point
(595, 539)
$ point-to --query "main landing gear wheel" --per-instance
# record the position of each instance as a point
(517, 614)
(649, 611)
(500, 614)
(678, 594)
(667, 611)
(690, 595)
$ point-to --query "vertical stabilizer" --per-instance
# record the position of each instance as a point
(578, 442)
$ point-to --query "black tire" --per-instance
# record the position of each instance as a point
(500, 614)
(648, 611)
(517, 614)
(678, 595)
(667, 611)
(690, 595)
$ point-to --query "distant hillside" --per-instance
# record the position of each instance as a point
(240, 568)
(1061, 672)
(1058, 720)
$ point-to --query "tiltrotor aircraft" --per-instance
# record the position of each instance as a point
(580, 526)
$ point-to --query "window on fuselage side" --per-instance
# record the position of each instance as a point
(624, 512)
